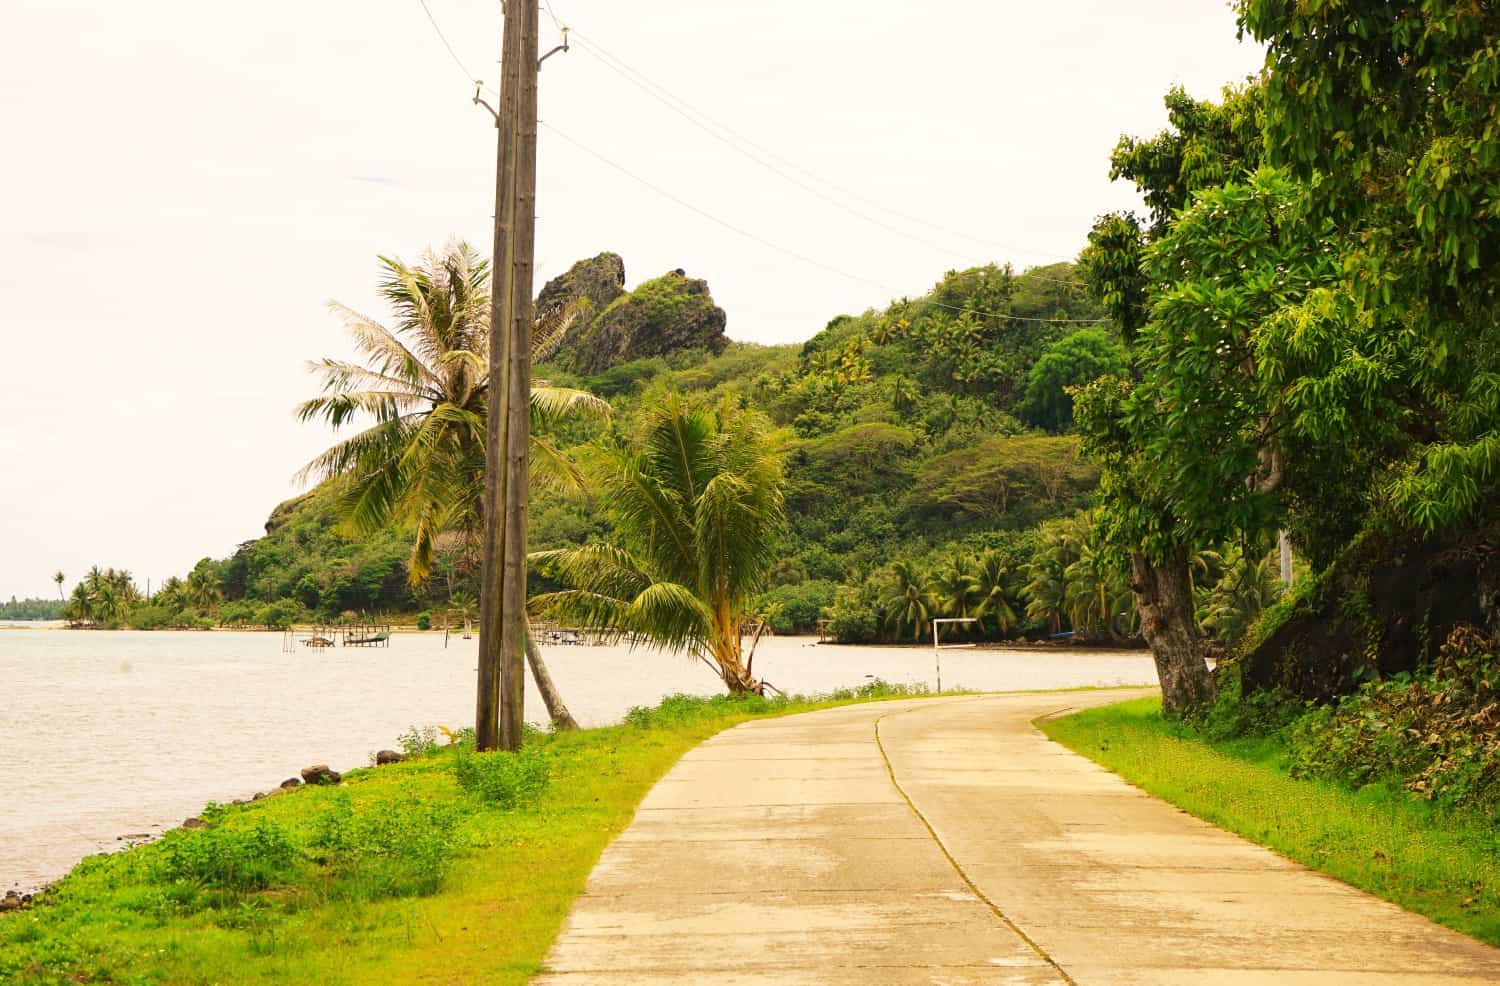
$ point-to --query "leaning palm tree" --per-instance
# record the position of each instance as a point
(421, 393)
(696, 501)
(59, 578)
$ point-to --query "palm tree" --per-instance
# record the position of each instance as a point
(994, 605)
(202, 588)
(696, 500)
(172, 594)
(1246, 590)
(957, 588)
(59, 578)
(1047, 585)
(425, 385)
(909, 605)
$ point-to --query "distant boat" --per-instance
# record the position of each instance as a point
(366, 640)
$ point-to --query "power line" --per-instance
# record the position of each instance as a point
(725, 223)
(767, 158)
(444, 39)
(787, 250)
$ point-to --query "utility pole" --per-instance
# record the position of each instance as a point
(518, 405)
(492, 615)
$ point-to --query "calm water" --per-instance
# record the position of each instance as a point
(103, 734)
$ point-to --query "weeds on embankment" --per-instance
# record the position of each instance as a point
(1440, 861)
(452, 861)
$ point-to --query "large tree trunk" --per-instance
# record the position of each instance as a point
(1165, 595)
(561, 718)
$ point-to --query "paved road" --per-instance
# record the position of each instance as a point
(947, 841)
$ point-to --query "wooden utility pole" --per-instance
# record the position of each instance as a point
(518, 405)
(492, 615)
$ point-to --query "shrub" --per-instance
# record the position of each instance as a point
(238, 858)
(510, 780)
(392, 849)
(1436, 734)
(418, 742)
(424, 620)
(854, 617)
(679, 709)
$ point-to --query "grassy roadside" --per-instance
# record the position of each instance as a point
(449, 868)
(1445, 865)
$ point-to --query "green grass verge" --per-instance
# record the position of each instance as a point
(444, 869)
(1445, 865)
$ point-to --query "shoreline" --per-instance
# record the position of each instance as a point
(1019, 643)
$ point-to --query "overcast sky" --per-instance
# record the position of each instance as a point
(184, 185)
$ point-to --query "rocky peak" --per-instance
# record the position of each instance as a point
(601, 325)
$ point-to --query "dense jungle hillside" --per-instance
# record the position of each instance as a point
(928, 439)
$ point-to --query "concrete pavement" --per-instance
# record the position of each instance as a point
(947, 841)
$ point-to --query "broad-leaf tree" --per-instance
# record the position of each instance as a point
(1193, 445)
(1390, 113)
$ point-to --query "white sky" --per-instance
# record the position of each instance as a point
(183, 186)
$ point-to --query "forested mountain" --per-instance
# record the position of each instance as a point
(932, 433)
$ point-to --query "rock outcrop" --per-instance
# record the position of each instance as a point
(320, 773)
(1383, 607)
(588, 322)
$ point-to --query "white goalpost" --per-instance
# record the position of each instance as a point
(937, 646)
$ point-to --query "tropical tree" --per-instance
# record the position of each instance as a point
(957, 588)
(1250, 585)
(696, 501)
(105, 596)
(1072, 361)
(1386, 110)
(1046, 588)
(172, 594)
(425, 384)
(202, 588)
(994, 607)
(1096, 595)
(1193, 445)
(908, 607)
(422, 390)
(58, 578)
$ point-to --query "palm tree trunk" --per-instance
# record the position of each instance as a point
(562, 719)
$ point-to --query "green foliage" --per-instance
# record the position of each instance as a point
(695, 498)
(1436, 734)
(796, 608)
(509, 780)
(1043, 474)
(1072, 361)
(424, 620)
(1385, 112)
(238, 858)
(32, 609)
(421, 742)
(857, 616)
(401, 848)
(1248, 587)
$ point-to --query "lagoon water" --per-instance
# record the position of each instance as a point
(107, 734)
